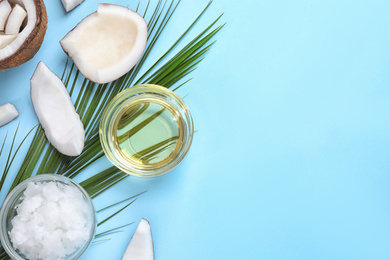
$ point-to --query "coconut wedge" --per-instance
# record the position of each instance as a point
(56, 113)
(30, 34)
(69, 5)
(15, 20)
(8, 112)
(141, 244)
(5, 10)
(108, 43)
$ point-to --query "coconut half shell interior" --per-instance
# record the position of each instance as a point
(29, 38)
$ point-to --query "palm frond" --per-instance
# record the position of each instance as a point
(119, 202)
(169, 70)
(3, 254)
(103, 180)
(11, 157)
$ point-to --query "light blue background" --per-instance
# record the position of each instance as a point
(291, 156)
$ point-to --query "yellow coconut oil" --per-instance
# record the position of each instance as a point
(146, 130)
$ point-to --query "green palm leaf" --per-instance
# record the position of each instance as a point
(91, 99)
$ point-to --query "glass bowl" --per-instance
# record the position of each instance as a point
(8, 212)
(146, 130)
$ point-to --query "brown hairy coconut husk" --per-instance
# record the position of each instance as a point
(29, 40)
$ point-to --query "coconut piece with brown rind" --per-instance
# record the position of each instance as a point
(29, 40)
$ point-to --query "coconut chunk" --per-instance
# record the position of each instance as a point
(8, 112)
(69, 5)
(6, 39)
(56, 113)
(108, 43)
(5, 10)
(15, 20)
(141, 244)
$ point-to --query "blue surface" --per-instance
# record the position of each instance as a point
(291, 156)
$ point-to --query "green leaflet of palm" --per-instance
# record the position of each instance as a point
(146, 155)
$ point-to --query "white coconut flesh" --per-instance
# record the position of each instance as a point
(56, 113)
(5, 10)
(141, 244)
(8, 112)
(29, 7)
(108, 43)
(6, 39)
(69, 5)
(15, 20)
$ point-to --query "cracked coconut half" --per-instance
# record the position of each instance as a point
(23, 25)
(108, 43)
(56, 113)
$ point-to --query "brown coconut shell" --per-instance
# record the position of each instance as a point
(32, 43)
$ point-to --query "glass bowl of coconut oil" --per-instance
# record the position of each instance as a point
(146, 130)
(47, 216)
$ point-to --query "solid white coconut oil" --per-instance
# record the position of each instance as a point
(52, 221)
